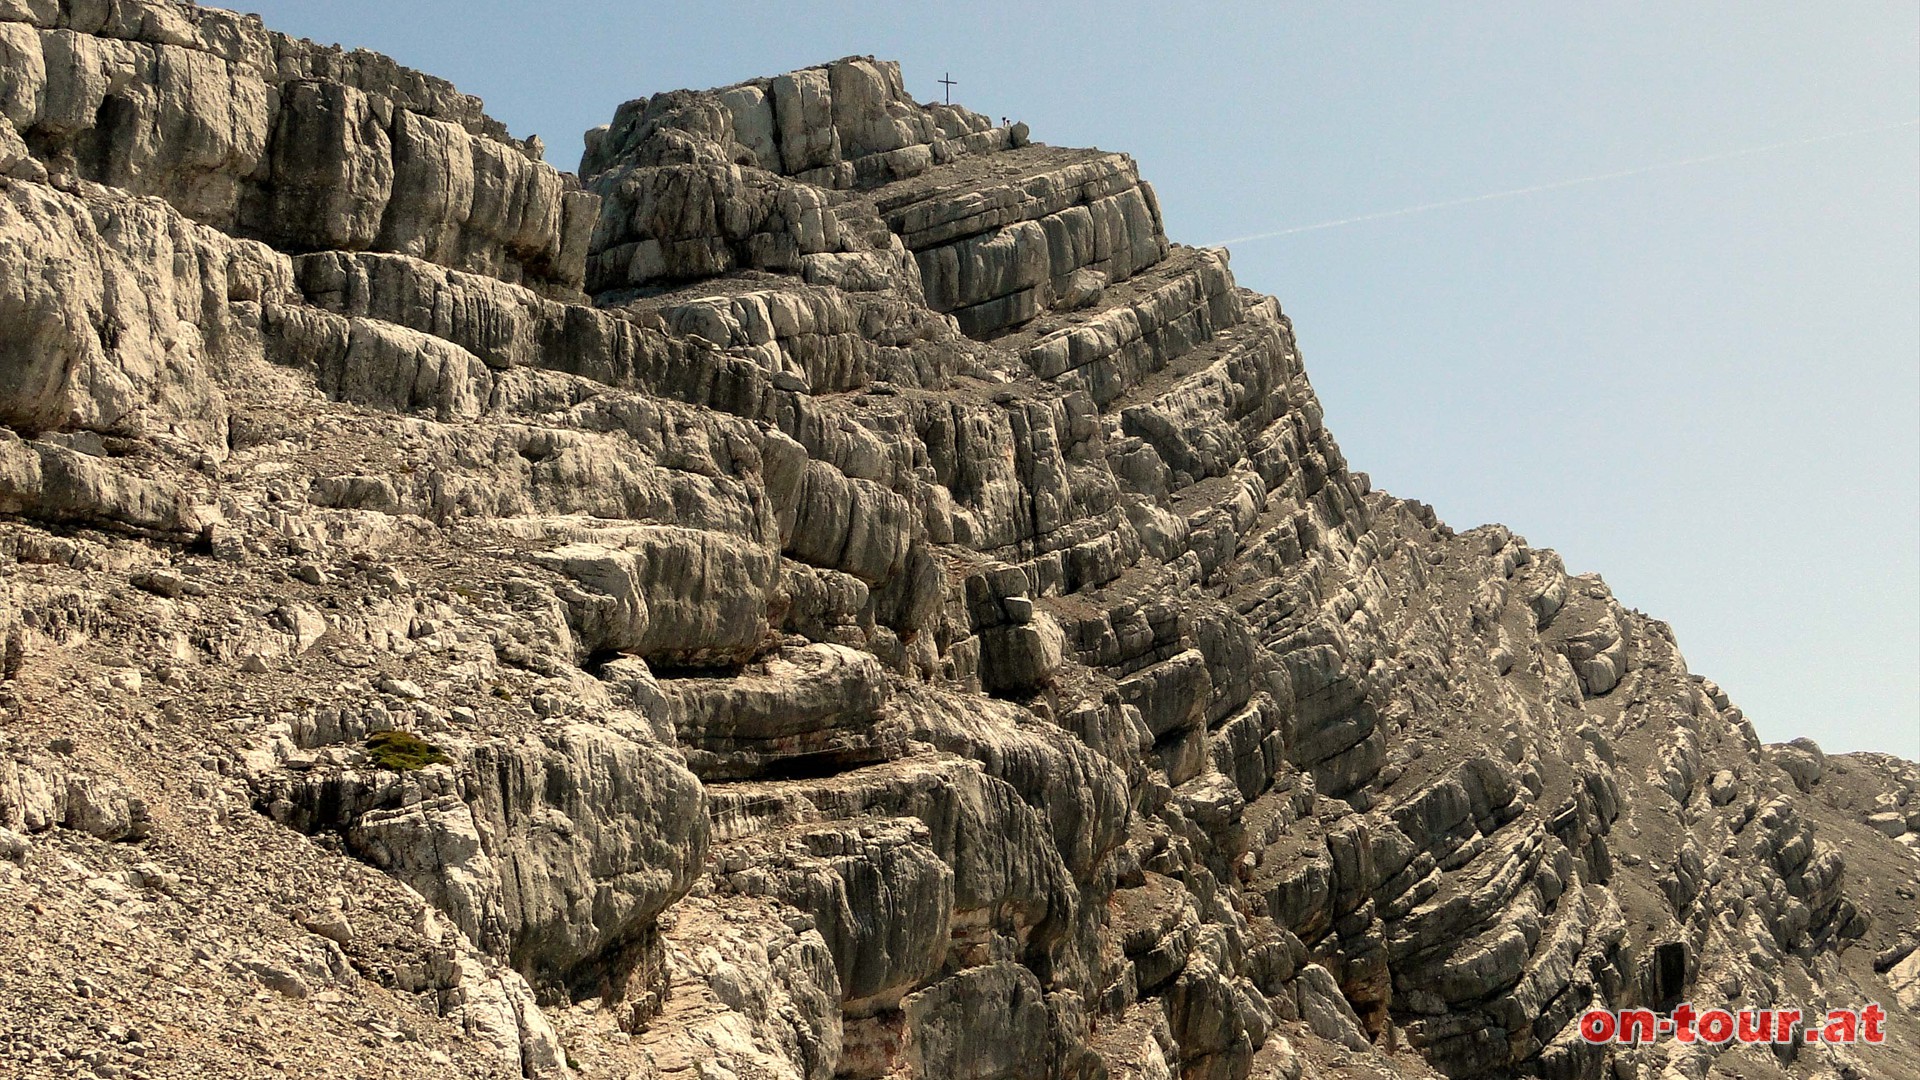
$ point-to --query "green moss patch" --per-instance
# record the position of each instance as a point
(403, 751)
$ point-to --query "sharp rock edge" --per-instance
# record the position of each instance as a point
(873, 606)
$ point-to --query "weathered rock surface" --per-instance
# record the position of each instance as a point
(833, 593)
(302, 146)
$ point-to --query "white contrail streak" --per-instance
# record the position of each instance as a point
(1556, 185)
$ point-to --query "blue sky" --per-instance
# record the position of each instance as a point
(1702, 381)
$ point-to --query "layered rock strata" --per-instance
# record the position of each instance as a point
(859, 600)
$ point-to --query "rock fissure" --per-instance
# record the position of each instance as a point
(884, 608)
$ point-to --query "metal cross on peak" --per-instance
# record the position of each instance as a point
(946, 80)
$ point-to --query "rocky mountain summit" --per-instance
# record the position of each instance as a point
(832, 590)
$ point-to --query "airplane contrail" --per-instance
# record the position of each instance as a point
(1575, 182)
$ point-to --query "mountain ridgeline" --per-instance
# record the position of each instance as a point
(830, 590)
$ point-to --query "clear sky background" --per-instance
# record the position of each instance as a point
(1701, 381)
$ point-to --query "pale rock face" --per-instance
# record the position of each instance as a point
(998, 257)
(597, 833)
(1904, 977)
(898, 889)
(835, 593)
(434, 846)
(378, 364)
(493, 1006)
(1022, 658)
(809, 703)
(551, 852)
(753, 128)
(695, 185)
(984, 1023)
(121, 318)
(300, 146)
(748, 993)
(53, 483)
(1802, 760)
(803, 104)
(37, 794)
(675, 595)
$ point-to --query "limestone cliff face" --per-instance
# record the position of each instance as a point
(864, 604)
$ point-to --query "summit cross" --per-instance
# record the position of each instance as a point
(946, 80)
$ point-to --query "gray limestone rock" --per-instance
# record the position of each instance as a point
(835, 593)
(878, 894)
(680, 595)
(985, 1023)
(549, 852)
(1802, 760)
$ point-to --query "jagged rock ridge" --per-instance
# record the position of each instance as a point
(885, 610)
